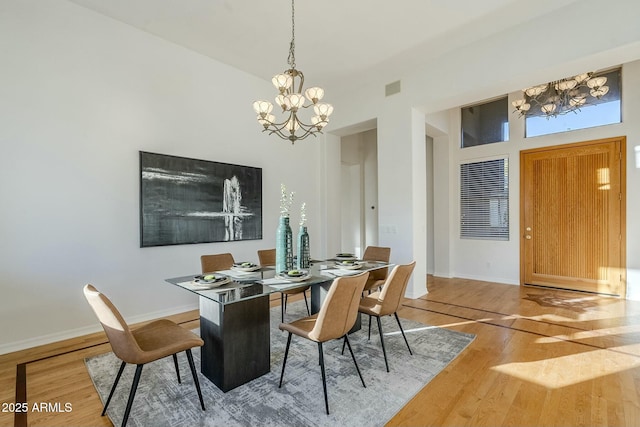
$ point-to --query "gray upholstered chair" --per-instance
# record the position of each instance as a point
(376, 277)
(153, 341)
(387, 301)
(334, 320)
(267, 258)
(216, 262)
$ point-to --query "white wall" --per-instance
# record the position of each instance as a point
(500, 64)
(359, 191)
(80, 95)
(499, 261)
(370, 180)
(430, 206)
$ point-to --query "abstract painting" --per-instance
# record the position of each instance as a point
(186, 201)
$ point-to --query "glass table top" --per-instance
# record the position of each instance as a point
(234, 286)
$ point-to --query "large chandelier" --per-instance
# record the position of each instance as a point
(291, 100)
(561, 96)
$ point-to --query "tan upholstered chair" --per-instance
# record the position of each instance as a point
(376, 277)
(267, 258)
(387, 301)
(146, 344)
(216, 262)
(335, 318)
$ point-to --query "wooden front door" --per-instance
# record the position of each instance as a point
(572, 205)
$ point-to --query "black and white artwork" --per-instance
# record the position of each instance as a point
(186, 200)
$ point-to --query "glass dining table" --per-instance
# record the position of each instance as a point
(234, 317)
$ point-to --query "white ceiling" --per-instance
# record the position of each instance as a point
(335, 39)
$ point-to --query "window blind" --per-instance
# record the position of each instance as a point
(484, 200)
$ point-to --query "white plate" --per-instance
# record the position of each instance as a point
(200, 283)
(288, 278)
(350, 266)
(239, 267)
(345, 256)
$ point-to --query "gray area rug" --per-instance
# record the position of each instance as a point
(160, 401)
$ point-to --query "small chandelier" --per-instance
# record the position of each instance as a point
(291, 100)
(561, 96)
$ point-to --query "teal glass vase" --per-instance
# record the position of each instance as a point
(304, 258)
(284, 246)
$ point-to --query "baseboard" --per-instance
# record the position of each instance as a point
(444, 274)
(501, 280)
(86, 330)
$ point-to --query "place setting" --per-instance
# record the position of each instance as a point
(345, 256)
(208, 281)
(296, 275)
(344, 264)
(350, 264)
(242, 270)
(245, 267)
(286, 278)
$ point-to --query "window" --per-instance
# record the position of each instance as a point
(599, 112)
(485, 123)
(484, 200)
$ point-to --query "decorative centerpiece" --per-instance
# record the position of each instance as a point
(284, 236)
(304, 259)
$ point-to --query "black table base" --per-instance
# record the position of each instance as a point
(236, 341)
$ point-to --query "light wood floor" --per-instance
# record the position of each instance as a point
(541, 358)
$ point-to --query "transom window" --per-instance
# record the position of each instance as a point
(598, 112)
(485, 123)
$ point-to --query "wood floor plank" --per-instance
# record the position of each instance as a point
(541, 357)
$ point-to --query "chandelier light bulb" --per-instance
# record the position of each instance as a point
(292, 125)
(294, 101)
(314, 94)
(581, 78)
(536, 90)
(323, 110)
(578, 101)
(548, 108)
(280, 100)
(566, 85)
(262, 107)
(596, 82)
(318, 122)
(521, 104)
(600, 92)
(282, 82)
(267, 120)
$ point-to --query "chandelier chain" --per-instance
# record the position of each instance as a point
(292, 47)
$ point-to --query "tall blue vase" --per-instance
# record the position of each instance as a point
(304, 259)
(284, 246)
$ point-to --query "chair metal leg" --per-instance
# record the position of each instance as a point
(403, 335)
(382, 342)
(132, 394)
(344, 343)
(175, 363)
(284, 362)
(369, 339)
(113, 388)
(346, 339)
(324, 378)
(195, 376)
(306, 302)
(282, 303)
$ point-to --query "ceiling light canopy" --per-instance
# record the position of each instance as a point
(292, 100)
(562, 96)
